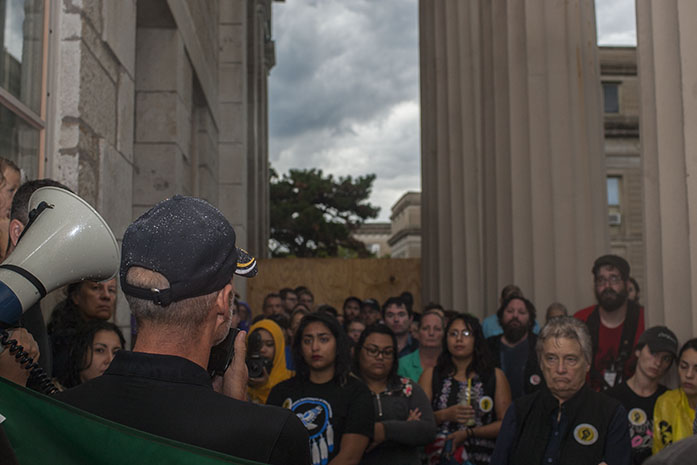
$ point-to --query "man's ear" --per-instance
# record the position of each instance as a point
(16, 228)
(223, 302)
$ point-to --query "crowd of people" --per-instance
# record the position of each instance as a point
(368, 383)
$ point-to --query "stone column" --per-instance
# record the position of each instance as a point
(667, 40)
(512, 155)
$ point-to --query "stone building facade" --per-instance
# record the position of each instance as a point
(129, 102)
(618, 74)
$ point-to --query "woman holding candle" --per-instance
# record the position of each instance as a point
(468, 394)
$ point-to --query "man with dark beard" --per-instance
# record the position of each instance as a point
(514, 350)
(615, 324)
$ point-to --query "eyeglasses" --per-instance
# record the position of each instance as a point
(614, 279)
(455, 334)
(374, 351)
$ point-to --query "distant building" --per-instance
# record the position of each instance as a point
(405, 241)
(375, 236)
(618, 74)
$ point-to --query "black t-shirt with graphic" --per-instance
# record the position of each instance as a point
(640, 416)
(328, 411)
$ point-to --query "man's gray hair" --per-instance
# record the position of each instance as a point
(187, 314)
(570, 328)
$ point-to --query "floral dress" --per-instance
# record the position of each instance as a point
(448, 392)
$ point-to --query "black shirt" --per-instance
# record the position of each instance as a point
(328, 411)
(513, 360)
(640, 416)
(173, 397)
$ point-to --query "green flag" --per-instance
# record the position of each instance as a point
(42, 430)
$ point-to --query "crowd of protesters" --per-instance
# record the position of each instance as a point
(384, 383)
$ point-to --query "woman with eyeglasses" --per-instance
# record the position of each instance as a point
(468, 394)
(404, 420)
(335, 406)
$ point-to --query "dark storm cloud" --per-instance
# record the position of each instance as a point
(344, 92)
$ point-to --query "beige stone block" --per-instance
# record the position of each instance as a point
(125, 114)
(156, 117)
(184, 78)
(208, 185)
(184, 176)
(101, 51)
(232, 118)
(92, 10)
(69, 74)
(97, 98)
(184, 129)
(233, 11)
(232, 163)
(232, 201)
(231, 41)
(120, 31)
(66, 167)
(231, 82)
(155, 175)
(70, 26)
(115, 188)
(69, 134)
(156, 59)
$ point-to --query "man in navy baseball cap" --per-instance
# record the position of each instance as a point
(177, 265)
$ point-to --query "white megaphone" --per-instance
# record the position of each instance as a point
(65, 241)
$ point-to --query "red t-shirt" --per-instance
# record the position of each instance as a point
(608, 349)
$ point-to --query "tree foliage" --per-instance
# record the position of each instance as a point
(313, 215)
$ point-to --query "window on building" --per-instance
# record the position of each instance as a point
(21, 81)
(375, 249)
(613, 191)
(611, 97)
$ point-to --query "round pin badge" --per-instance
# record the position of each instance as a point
(637, 416)
(486, 403)
(535, 380)
(585, 434)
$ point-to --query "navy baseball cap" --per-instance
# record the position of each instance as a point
(189, 242)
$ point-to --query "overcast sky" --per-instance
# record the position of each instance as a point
(344, 94)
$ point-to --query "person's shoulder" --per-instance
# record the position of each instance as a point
(670, 396)
(584, 313)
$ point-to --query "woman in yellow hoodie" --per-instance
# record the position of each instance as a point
(674, 412)
(267, 336)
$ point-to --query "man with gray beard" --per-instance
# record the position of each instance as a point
(615, 324)
(514, 350)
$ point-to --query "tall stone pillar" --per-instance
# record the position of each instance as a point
(667, 40)
(512, 156)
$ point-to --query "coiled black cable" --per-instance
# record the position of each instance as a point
(37, 375)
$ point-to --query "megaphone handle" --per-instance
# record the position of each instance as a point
(40, 376)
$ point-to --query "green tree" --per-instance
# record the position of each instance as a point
(313, 215)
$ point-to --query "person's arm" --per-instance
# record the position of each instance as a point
(618, 446)
(502, 399)
(415, 432)
(10, 367)
(351, 449)
(504, 441)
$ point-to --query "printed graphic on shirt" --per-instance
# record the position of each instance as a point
(665, 432)
(486, 403)
(640, 430)
(316, 415)
(585, 434)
